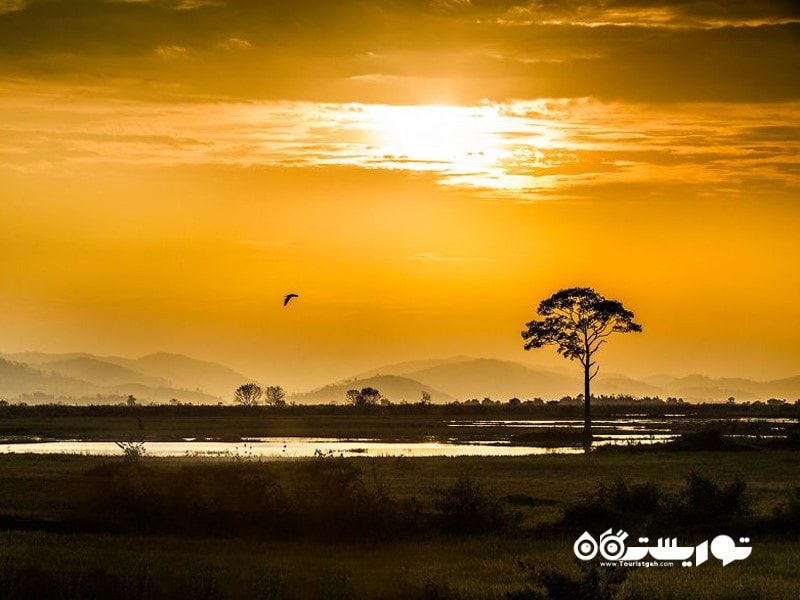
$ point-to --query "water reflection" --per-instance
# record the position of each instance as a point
(303, 447)
(618, 431)
(276, 448)
(499, 438)
(640, 425)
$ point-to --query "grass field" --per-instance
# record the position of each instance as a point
(63, 536)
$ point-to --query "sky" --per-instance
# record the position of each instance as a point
(421, 172)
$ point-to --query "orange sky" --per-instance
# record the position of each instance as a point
(422, 173)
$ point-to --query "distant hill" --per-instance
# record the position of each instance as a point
(788, 388)
(80, 377)
(162, 395)
(99, 372)
(37, 358)
(614, 384)
(466, 377)
(17, 379)
(412, 366)
(497, 379)
(161, 377)
(699, 388)
(189, 373)
(394, 387)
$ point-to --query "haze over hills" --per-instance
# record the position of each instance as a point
(18, 379)
(185, 372)
(161, 377)
(394, 387)
(465, 378)
(99, 372)
(483, 377)
(697, 387)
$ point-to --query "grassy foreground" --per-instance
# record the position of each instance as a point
(92, 527)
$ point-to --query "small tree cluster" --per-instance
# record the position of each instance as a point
(368, 396)
(251, 394)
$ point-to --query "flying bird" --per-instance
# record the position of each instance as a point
(289, 297)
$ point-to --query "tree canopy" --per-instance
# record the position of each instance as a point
(578, 321)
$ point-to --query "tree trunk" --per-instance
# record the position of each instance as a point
(587, 414)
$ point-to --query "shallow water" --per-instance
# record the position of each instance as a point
(606, 432)
(276, 448)
(300, 447)
(641, 426)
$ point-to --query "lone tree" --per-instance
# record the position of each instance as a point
(578, 321)
(248, 394)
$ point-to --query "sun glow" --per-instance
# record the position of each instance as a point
(475, 146)
(522, 150)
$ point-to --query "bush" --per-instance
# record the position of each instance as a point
(465, 508)
(711, 439)
(550, 583)
(703, 501)
(786, 518)
(133, 450)
(616, 506)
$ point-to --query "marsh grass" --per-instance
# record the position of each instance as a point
(204, 568)
(552, 583)
(323, 499)
(770, 572)
(296, 529)
(476, 568)
(270, 583)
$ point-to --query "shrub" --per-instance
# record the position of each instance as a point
(465, 507)
(703, 501)
(133, 450)
(616, 506)
(550, 583)
(711, 439)
(786, 518)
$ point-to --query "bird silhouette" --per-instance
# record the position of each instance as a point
(289, 297)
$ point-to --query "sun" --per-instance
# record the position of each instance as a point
(438, 134)
(477, 146)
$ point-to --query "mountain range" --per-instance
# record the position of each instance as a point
(464, 378)
(161, 377)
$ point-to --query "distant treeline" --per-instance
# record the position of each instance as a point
(560, 410)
